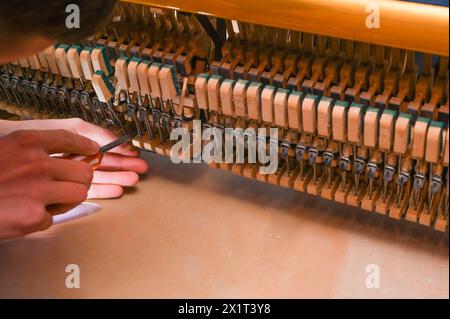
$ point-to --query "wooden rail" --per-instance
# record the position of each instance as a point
(407, 25)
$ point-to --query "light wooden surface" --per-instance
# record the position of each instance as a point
(403, 24)
(191, 231)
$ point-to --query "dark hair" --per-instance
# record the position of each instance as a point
(25, 18)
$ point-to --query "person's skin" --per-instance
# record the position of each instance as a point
(34, 185)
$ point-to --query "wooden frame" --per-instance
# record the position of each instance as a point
(407, 25)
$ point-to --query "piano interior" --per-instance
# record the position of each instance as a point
(360, 101)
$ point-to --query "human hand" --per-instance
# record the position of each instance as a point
(119, 167)
(34, 185)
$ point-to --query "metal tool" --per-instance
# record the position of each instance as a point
(94, 160)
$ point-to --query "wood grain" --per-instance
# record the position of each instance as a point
(406, 25)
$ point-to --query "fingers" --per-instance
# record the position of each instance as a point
(99, 191)
(58, 209)
(60, 141)
(126, 149)
(20, 217)
(46, 222)
(103, 136)
(71, 171)
(115, 162)
(116, 178)
(65, 193)
(115, 172)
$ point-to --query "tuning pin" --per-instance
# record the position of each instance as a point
(328, 158)
(435, 187)
(418, 184)
(402, 179)
(300, 151)
(360, 164)
(372, 169)
(388, 176)
(312, 156)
